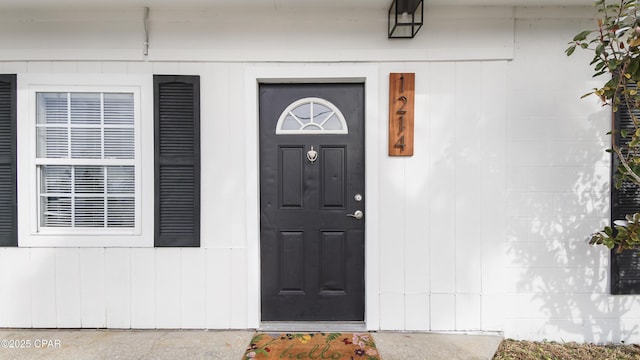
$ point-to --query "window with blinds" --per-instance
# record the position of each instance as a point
(85, 159)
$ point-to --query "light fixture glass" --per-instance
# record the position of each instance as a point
(405, 18)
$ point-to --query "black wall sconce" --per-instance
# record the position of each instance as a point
(405, 18)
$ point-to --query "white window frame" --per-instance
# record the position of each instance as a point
(30, 233)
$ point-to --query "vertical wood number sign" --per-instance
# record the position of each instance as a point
(401, 101)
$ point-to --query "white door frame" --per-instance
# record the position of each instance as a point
(306, 73)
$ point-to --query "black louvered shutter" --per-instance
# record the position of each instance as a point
(177, 160)
(625, 266)
(8, 202)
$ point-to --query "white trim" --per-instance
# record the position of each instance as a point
(248, 55)
(28, 233)
(367, 73)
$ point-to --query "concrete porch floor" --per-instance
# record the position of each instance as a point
(223, 345)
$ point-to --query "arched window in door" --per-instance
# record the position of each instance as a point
(311, 116)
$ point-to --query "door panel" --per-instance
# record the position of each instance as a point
(290, 177)
(291, 261)
(312, 252)
(332, 258)
(333, 179)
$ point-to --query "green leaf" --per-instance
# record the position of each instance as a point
(608, 230)
(613, 64)
(582, 35)
(633, 67)
(612, 83)
(333, 336)
(618, 183)
(570, 50)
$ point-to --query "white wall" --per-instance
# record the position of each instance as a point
(442, 210)
(122, 288)
(558, 193)
(258, 34)
(146, 287)
(483, 228)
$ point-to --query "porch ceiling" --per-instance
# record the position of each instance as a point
(279, 4)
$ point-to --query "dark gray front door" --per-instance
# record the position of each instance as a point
(311, 189)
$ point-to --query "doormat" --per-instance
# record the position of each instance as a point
(319, 346)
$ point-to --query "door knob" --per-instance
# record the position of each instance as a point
(357, 215)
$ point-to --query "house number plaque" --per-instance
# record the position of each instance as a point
(401, 101)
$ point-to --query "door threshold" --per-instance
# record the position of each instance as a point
(313, 326)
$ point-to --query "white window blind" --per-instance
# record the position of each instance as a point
(85, 159)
